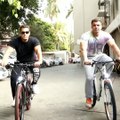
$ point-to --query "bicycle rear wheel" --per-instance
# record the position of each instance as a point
(94, 94)
(109, 103)
(19, 103)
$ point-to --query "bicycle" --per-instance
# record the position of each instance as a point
(24, 91)
(105, 85)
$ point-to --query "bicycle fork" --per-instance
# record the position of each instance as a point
(101, 86)
(97, 89)
(103, 79)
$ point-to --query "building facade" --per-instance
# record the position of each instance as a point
(107, 10)
(111, 18)
(83, 12)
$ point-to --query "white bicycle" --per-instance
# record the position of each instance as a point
(104, 84)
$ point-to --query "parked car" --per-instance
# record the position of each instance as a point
(74, 60)
(4, 73)
(47, 62)
(44, 64)
(58, 61)
(11, 58)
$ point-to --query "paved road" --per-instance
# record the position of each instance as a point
(61, 97)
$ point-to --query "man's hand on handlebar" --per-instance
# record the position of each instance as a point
(3, 63)
(118, 59)
(37, 64)
(87, 62)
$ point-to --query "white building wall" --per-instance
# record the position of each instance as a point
(114, 26)
(84, 12)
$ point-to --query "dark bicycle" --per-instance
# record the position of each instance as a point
(24, 91)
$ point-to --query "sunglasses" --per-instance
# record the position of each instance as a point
(25, 32)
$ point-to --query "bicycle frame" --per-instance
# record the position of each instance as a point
(23, 94)
(23, 79)
(106, 83)
(104, 77)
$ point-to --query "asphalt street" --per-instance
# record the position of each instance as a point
(61, 96)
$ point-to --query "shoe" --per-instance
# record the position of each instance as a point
(35, 89)
(89, 103)
(13, 103)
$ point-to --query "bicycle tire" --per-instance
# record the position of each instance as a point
(110, 102)
(28, 95)
(19, 103)
(94, 95)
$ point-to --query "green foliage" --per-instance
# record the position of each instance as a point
(16, 5)
(12, 12)
(52, 9)
(44, 32)
(30, 4)
(7, 19)
(69, 11)
(63, 37)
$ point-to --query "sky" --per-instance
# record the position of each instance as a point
(63, 5)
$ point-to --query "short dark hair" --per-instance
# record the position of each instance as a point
(95, 20)
(24, 26)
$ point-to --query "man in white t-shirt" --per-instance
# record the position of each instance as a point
(92, 44)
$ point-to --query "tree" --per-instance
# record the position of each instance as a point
(12, 12)
(51, 10)
(62, 36)
(44, 32)
(15, 3)
(69, 11)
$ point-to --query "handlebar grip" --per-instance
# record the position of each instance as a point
(116, 60)
(8, 66)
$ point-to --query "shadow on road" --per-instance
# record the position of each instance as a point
(6, 112)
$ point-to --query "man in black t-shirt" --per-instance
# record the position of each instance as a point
(26, 48)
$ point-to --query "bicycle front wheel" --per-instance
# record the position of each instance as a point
(19, 103)
(110, 104)
(28, 95)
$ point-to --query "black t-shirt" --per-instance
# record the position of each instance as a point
(25, 51)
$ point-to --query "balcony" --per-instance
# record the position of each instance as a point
(101, 13)
(104, 12)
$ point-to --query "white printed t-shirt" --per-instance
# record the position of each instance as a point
(95, 44)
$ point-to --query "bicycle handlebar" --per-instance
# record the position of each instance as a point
(11, 65)
(114, 60)
(103, 62)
